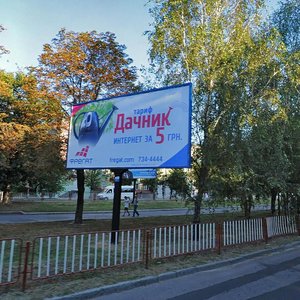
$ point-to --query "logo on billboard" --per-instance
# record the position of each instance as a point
(87, 127)
(84, 151)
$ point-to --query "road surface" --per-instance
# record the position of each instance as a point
(269, 277)
(14, 218)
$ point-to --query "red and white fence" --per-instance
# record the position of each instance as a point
(68, 254)
(177, 240)
(242, 231)
(281, 225)
(10, 260)
(59, 255)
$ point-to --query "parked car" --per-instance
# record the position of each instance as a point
(108, 194)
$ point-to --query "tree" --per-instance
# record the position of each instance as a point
(221, 47)
(152, 184)
(286, 20)
(93, 180)
(30, 141)
(177, 181)
(82, 67)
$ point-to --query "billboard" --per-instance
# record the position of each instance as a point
(150, 129)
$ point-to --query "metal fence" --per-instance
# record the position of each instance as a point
(242, 231)
(10, 260)
(49, 256)
(66, 254)
(281, 225)
(176, 240)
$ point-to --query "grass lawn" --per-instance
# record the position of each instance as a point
(70, 206)
(28, 231)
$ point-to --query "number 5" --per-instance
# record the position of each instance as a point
(159, 134)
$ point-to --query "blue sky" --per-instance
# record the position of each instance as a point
(32, 23)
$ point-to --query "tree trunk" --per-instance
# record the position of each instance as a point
(248, 206)
(197, 208)
(285, 200)
(154, 195)
(279, 204)
(273, 201)
(246, 202)
(80, 197)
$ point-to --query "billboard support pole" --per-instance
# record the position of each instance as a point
(134, 188)
(117, 202)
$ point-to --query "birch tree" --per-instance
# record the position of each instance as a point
(220, 47)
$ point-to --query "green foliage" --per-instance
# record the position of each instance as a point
(82, 67)
(177, 181)
(242, 76)
(93, 179)
(85, 66)
(30, 140)
(287, 21)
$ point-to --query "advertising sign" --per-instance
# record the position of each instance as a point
(150, 129)
(143, 173)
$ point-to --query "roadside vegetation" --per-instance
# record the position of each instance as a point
(90, 205)
(107, 205)
(29, 230)
(244, 70)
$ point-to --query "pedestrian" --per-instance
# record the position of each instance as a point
(126, 206)
(135, 205)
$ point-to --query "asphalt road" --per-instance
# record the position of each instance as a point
(7, 218)
(275, 276)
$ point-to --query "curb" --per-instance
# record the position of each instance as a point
(126, 285)
(9, 212)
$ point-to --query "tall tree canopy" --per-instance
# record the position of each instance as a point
(221, 47)
(30, 126)
(85, 66)
(82, 67)
(286, 20)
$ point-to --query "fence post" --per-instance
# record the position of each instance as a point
(265, 229)
(297, 217)
(219, 233)
(25, 270)
(147, 251)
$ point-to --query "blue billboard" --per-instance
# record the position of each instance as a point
(150, 129)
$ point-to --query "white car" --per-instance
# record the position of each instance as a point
(108, 194)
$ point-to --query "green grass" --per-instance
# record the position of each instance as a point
(28, 231)
(70, 206)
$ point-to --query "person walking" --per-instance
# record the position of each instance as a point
(126, 206)
(135, 205)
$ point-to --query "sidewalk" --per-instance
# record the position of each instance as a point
(126, 285)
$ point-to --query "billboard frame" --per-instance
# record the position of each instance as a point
(186, 164)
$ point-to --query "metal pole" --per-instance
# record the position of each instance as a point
(115, 225)
(25, 271)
